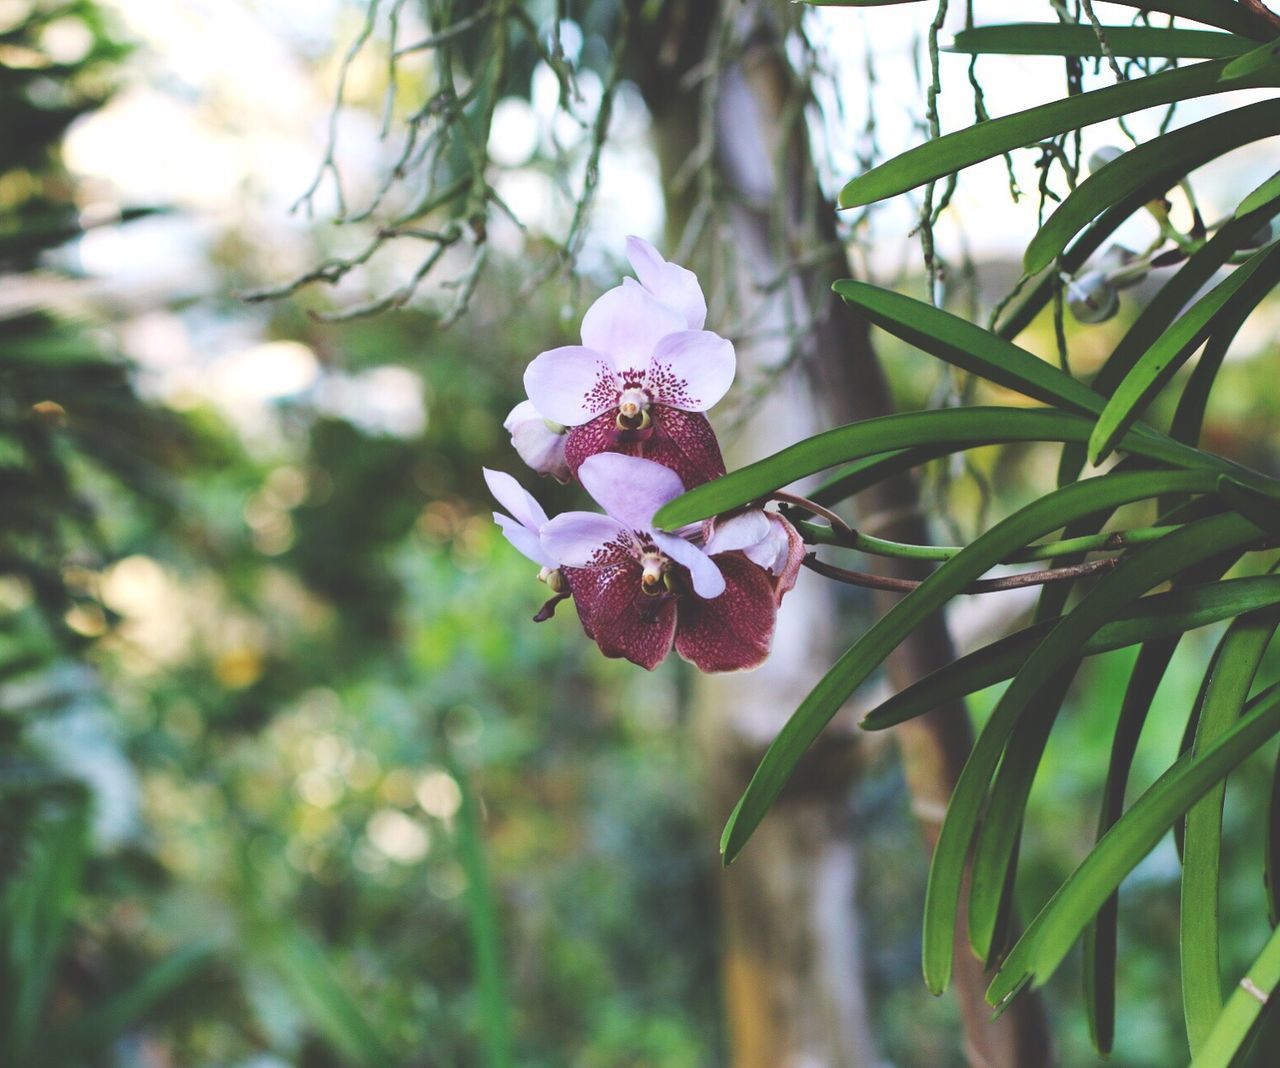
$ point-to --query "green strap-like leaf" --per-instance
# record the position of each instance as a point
(1234, 666)
(1146, 568)
(1149, 171)
(1271, 849)
(1050, 935)
(969, 347)
(1244, 288)
(1234, 1024)
(958, 428)
(1058, 39)
(870, 470)
(961, 149)
(1158, 616)
(1260, 508)
(868, 652)
(1229, 16)
(1101, 935)
(1260, 197)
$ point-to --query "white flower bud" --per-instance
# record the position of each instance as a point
(1102, 156)
(1091, 298)
(539, 441)
(1121, 267)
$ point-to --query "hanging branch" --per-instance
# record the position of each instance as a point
(992, 585)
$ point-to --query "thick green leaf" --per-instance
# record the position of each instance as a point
(1260, 508)
(1101, 935)
(1260, 197)
(1050, 935)
(1234, 666)
(969, 347)
(961, 149)
(870, 470)
(852, 669)
(1145, 568)
(1244, 288)
(1271, 859)
(1252, 61)
(1229, 16)
(959, 428)
(1158, 315)
(1158, 616)
(1059, 39)
(1236, 1022)
(1149, 171)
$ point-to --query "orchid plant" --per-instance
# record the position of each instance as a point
(628, 405)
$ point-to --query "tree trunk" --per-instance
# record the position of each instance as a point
(777, 214)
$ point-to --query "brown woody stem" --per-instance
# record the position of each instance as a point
(992, 585)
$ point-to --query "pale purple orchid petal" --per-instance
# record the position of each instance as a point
(584, 539)
(733, 632)
(628, 488)
(539, 443)
(627, 323)
(526, 541)
(745, 531)
(676, 286)
(691, 370)
(708, 583)
(515, 499)
(572, 384)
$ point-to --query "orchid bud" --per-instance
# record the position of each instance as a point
(1102, 156)
(1091, 298)
(539, 441)
(1122, 267)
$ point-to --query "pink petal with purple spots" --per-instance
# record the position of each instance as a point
(586, 540)
(682, 441)
(690, 370)
(675, 286)
(734, 631)
(627, 323)
(572, 384)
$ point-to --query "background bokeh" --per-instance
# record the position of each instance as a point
(287, 776)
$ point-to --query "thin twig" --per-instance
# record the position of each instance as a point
(1005, 582)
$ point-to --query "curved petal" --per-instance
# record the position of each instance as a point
(676, 286)
(734, 631)
(537, 442)
(785, 565)
(515, 499)
(628, 488)
(708, 583)
(744, 531)
(627, 324)
(586, 539)
(691, 370)
(572, 384)
(526, 541)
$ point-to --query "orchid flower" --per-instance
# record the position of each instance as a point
(641, 379)
(641, 591)
(539, 442)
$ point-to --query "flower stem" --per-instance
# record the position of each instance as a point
(817, 534)
(992, 585)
